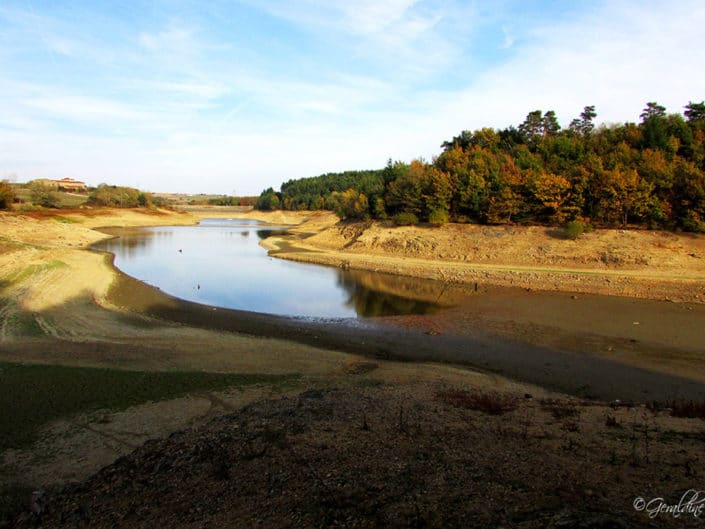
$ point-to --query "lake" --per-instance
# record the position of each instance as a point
(220, 263)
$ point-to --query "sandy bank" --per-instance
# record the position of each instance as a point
(641, 264)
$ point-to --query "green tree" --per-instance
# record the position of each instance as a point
(268, 200)
(584, 125)
(550, 125)
(533, 126)
(695, 111)
(652, 110)
(43, 194)
(689, 196)
(404, 193)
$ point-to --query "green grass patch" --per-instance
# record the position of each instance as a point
(63, 199)
(33, 395)
(66, 220)
(70, 200)
(30, 270)
(8, 244)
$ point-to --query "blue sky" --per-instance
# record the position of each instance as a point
(235, 96)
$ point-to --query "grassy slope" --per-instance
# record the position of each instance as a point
(34, 395)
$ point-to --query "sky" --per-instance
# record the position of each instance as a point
(232, 97)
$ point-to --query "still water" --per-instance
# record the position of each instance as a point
(221, 263)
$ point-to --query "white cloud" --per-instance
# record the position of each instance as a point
(174, 37)
(176, 111)
(79, 108)
(617, 59)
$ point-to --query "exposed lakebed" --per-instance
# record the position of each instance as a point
(220, 263)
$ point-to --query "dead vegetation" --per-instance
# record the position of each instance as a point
(490, 402)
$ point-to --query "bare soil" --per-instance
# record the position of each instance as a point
(402, 456)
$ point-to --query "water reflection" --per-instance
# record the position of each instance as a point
(369, 303)
(219, 263)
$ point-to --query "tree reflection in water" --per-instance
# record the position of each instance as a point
(369, 303)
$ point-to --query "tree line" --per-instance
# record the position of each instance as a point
(648, 174)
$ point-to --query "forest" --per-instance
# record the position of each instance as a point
(648, 174)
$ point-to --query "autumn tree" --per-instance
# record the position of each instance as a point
(7, 195)
(351, 205)
(549, 193)
(622, 195)
(649, 173)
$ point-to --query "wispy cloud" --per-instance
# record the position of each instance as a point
(86, 108)
(244, 96)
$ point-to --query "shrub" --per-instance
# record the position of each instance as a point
(43, 195)
(573, 229)
(490, 402)
(7, 195)
(438, 217)
(693, 222)
(681, 408)
(380, 211)
(118, 197)
(405, 219)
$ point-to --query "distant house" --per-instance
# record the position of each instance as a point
(66, 184)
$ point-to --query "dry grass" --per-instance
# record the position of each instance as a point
(689, 409)
(490, 402)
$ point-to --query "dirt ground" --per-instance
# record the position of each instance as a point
(63, 304)
(421, 455)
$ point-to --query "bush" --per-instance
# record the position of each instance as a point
(44, 195)
(380, 211)
(438, 217)
(118, 197)
(405, 219)
(573, 229)
(7, 195)
(491, 402)
(693, 222)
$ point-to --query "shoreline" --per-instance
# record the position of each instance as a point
(669, 283)
(387, 339)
